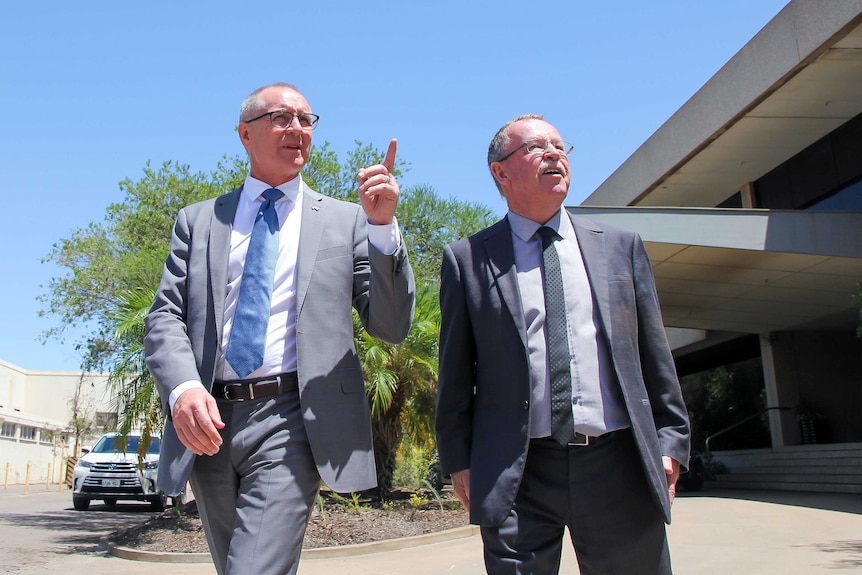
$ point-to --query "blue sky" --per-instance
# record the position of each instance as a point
(93, 91)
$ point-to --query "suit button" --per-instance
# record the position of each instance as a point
(526, 405)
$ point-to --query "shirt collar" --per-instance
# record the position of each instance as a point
(525, 228)
(253, 188)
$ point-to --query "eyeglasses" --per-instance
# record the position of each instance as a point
(284, 119)
(540, 148)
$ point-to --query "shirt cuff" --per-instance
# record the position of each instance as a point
(178, 391)
(386, 238)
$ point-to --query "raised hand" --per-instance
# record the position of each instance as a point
(378, 189)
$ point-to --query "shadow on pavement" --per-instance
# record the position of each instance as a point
(843, 502)
(80, 531)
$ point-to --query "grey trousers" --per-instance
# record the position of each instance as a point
(600, 493)
(256, 494)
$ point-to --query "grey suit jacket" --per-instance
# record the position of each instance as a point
(336, 270)
(483, 412)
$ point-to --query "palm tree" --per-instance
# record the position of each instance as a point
(136, 398)
(401, 384)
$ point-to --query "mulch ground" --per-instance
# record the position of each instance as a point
(336, 520)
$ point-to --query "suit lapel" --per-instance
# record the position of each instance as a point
(310, 232)
(501, 261)
(591, 241)
(219, 251)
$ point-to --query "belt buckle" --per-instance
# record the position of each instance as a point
(580, 440)
(229, 387)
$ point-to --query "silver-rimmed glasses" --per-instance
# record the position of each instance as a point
(540, 148)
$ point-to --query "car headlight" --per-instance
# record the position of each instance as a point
(151, 464)
(83, 463)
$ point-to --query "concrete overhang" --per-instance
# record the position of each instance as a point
(796, 81)
(748, 271)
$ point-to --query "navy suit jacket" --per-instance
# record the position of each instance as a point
(483, 404)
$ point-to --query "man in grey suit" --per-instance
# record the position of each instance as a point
(255, 440)
(604, 459)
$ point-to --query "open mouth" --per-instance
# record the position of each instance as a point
(552, 171)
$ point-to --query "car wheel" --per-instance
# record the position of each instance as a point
(111, 501)
(159, 502)
(81, 503)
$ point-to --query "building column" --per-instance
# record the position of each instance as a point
(781, 391)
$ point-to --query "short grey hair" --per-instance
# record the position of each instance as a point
(254, 105)
(500, 142)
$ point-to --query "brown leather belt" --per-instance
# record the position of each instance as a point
(256, 388)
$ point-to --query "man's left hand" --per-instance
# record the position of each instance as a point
(378, 189)
(671, 469)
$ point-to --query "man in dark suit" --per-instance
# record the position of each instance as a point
(558, 402)
(255, 437)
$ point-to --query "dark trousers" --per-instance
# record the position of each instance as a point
(600, 493)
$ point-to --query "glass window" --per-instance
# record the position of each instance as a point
(28, 433)
(114, 444)
(7, 429)
(848, 199)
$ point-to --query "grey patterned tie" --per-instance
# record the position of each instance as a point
(562, 424)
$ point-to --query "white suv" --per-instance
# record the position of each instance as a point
(111, 471)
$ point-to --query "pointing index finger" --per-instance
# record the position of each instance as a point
(389, 161)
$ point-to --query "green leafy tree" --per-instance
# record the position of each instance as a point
(136, 398)
(401, 384)
(122, 252)
(430, 222)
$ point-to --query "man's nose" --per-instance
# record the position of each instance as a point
(552, 150)
(294, 125)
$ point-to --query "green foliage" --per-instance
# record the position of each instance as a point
(412, 467)
(720, 397)
(433, 492)
(326, 174)
(321, 506)
(123, 251)
(430, 222)
(135, 396)
(351, 504)
(401, 384)
(417, 500)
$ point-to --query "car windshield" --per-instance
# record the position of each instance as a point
(114, 444)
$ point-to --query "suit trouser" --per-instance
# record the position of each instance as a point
(600, 493)
(256, 494)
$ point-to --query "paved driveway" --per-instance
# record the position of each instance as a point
(714, 532)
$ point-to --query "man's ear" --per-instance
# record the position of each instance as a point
(243, 130)
(499, 172)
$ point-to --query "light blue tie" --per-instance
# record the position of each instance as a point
(248, 334)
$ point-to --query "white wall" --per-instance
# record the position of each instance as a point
(43, 400)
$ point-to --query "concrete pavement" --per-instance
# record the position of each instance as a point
(714, 532)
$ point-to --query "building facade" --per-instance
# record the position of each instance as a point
(749, 200)
(47, 416)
